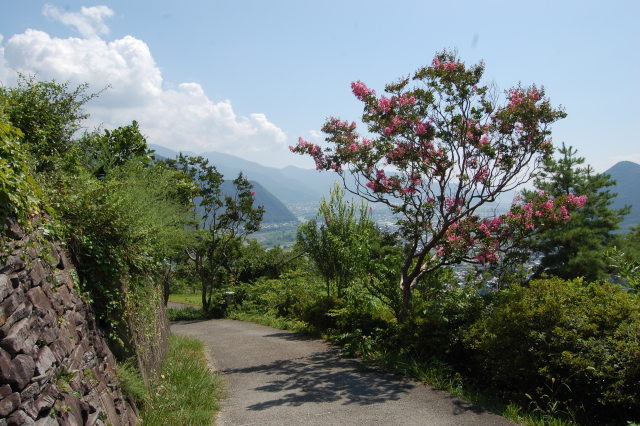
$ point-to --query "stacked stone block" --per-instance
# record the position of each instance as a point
(55, 366)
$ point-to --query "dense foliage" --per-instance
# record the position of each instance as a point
(573, 342)
(574, 247)
(18, 191)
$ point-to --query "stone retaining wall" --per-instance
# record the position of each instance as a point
(55, 366)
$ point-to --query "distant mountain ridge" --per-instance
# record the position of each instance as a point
(289, 184)
(627, 177)
(275, 211)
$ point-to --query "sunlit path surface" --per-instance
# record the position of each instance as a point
(276, 377)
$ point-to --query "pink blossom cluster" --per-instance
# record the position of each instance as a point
(481, 174)
(446, 66)
(421, 128)
(395, 123)
(487, 237)
(335, 124)
(406, 99)
(361, 91)
(397, 153)
(518, 96)
(454, 203)
(486, 255)
(383, 183)
(577, 201)
(313, 150)
(385, 104)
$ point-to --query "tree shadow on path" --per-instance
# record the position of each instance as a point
(324, 377)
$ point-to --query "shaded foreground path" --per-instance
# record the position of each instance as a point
(276, 377)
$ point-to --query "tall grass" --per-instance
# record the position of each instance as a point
(186, 392)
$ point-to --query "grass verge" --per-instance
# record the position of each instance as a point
(187, 392)
(186, 314)
(193, 299)
(276, 322)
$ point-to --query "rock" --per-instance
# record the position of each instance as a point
(64, 261)
(41, 380)
(11, 229)
(29, 408)
(55, 256)
(37, 274)
(71, 413)
(64, 296)
(45, 360)
(40, 300)
(46, 399)
(21, 311)
(20, 418)
(5, 366)
(5, 286)
(30, 391)
(14, 263)
(60, 350)
(48, 421)
(9, 404)
(9, 306)
(22, 368)
(5, 391)
(16, 278)
(20, 338)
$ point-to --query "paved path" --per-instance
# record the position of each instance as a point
(276, 377)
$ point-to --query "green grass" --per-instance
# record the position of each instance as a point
(131, 382)
(186, 314)
(187, 392)
(271, 321)
(193, 299)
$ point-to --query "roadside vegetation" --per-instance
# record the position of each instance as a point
(186, 392)
(555, 342)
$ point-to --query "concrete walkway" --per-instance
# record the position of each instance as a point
(276, 377)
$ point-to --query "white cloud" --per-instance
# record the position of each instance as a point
(316, 136)
(89, 22)
(179, 117)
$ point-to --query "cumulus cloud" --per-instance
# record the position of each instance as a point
(89, 22)
(180, 117)
(316, 136)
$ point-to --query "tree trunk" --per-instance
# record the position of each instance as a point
(205, 299)
(166, 280)
(407, 294)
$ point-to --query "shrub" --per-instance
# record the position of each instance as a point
(563, 342)
(318, 313)
(284, 297)
(18, 191)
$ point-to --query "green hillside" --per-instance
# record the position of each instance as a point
(274, 210)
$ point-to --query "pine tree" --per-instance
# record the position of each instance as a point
(575, 248)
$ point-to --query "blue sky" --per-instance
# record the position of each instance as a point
(249, 77)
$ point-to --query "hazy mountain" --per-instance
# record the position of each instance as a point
(275, 210)
(290, 184)
(627, 177)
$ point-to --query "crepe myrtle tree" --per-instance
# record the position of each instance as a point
(441, 147)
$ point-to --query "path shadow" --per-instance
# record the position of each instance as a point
(294, 337)
(324, 377)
